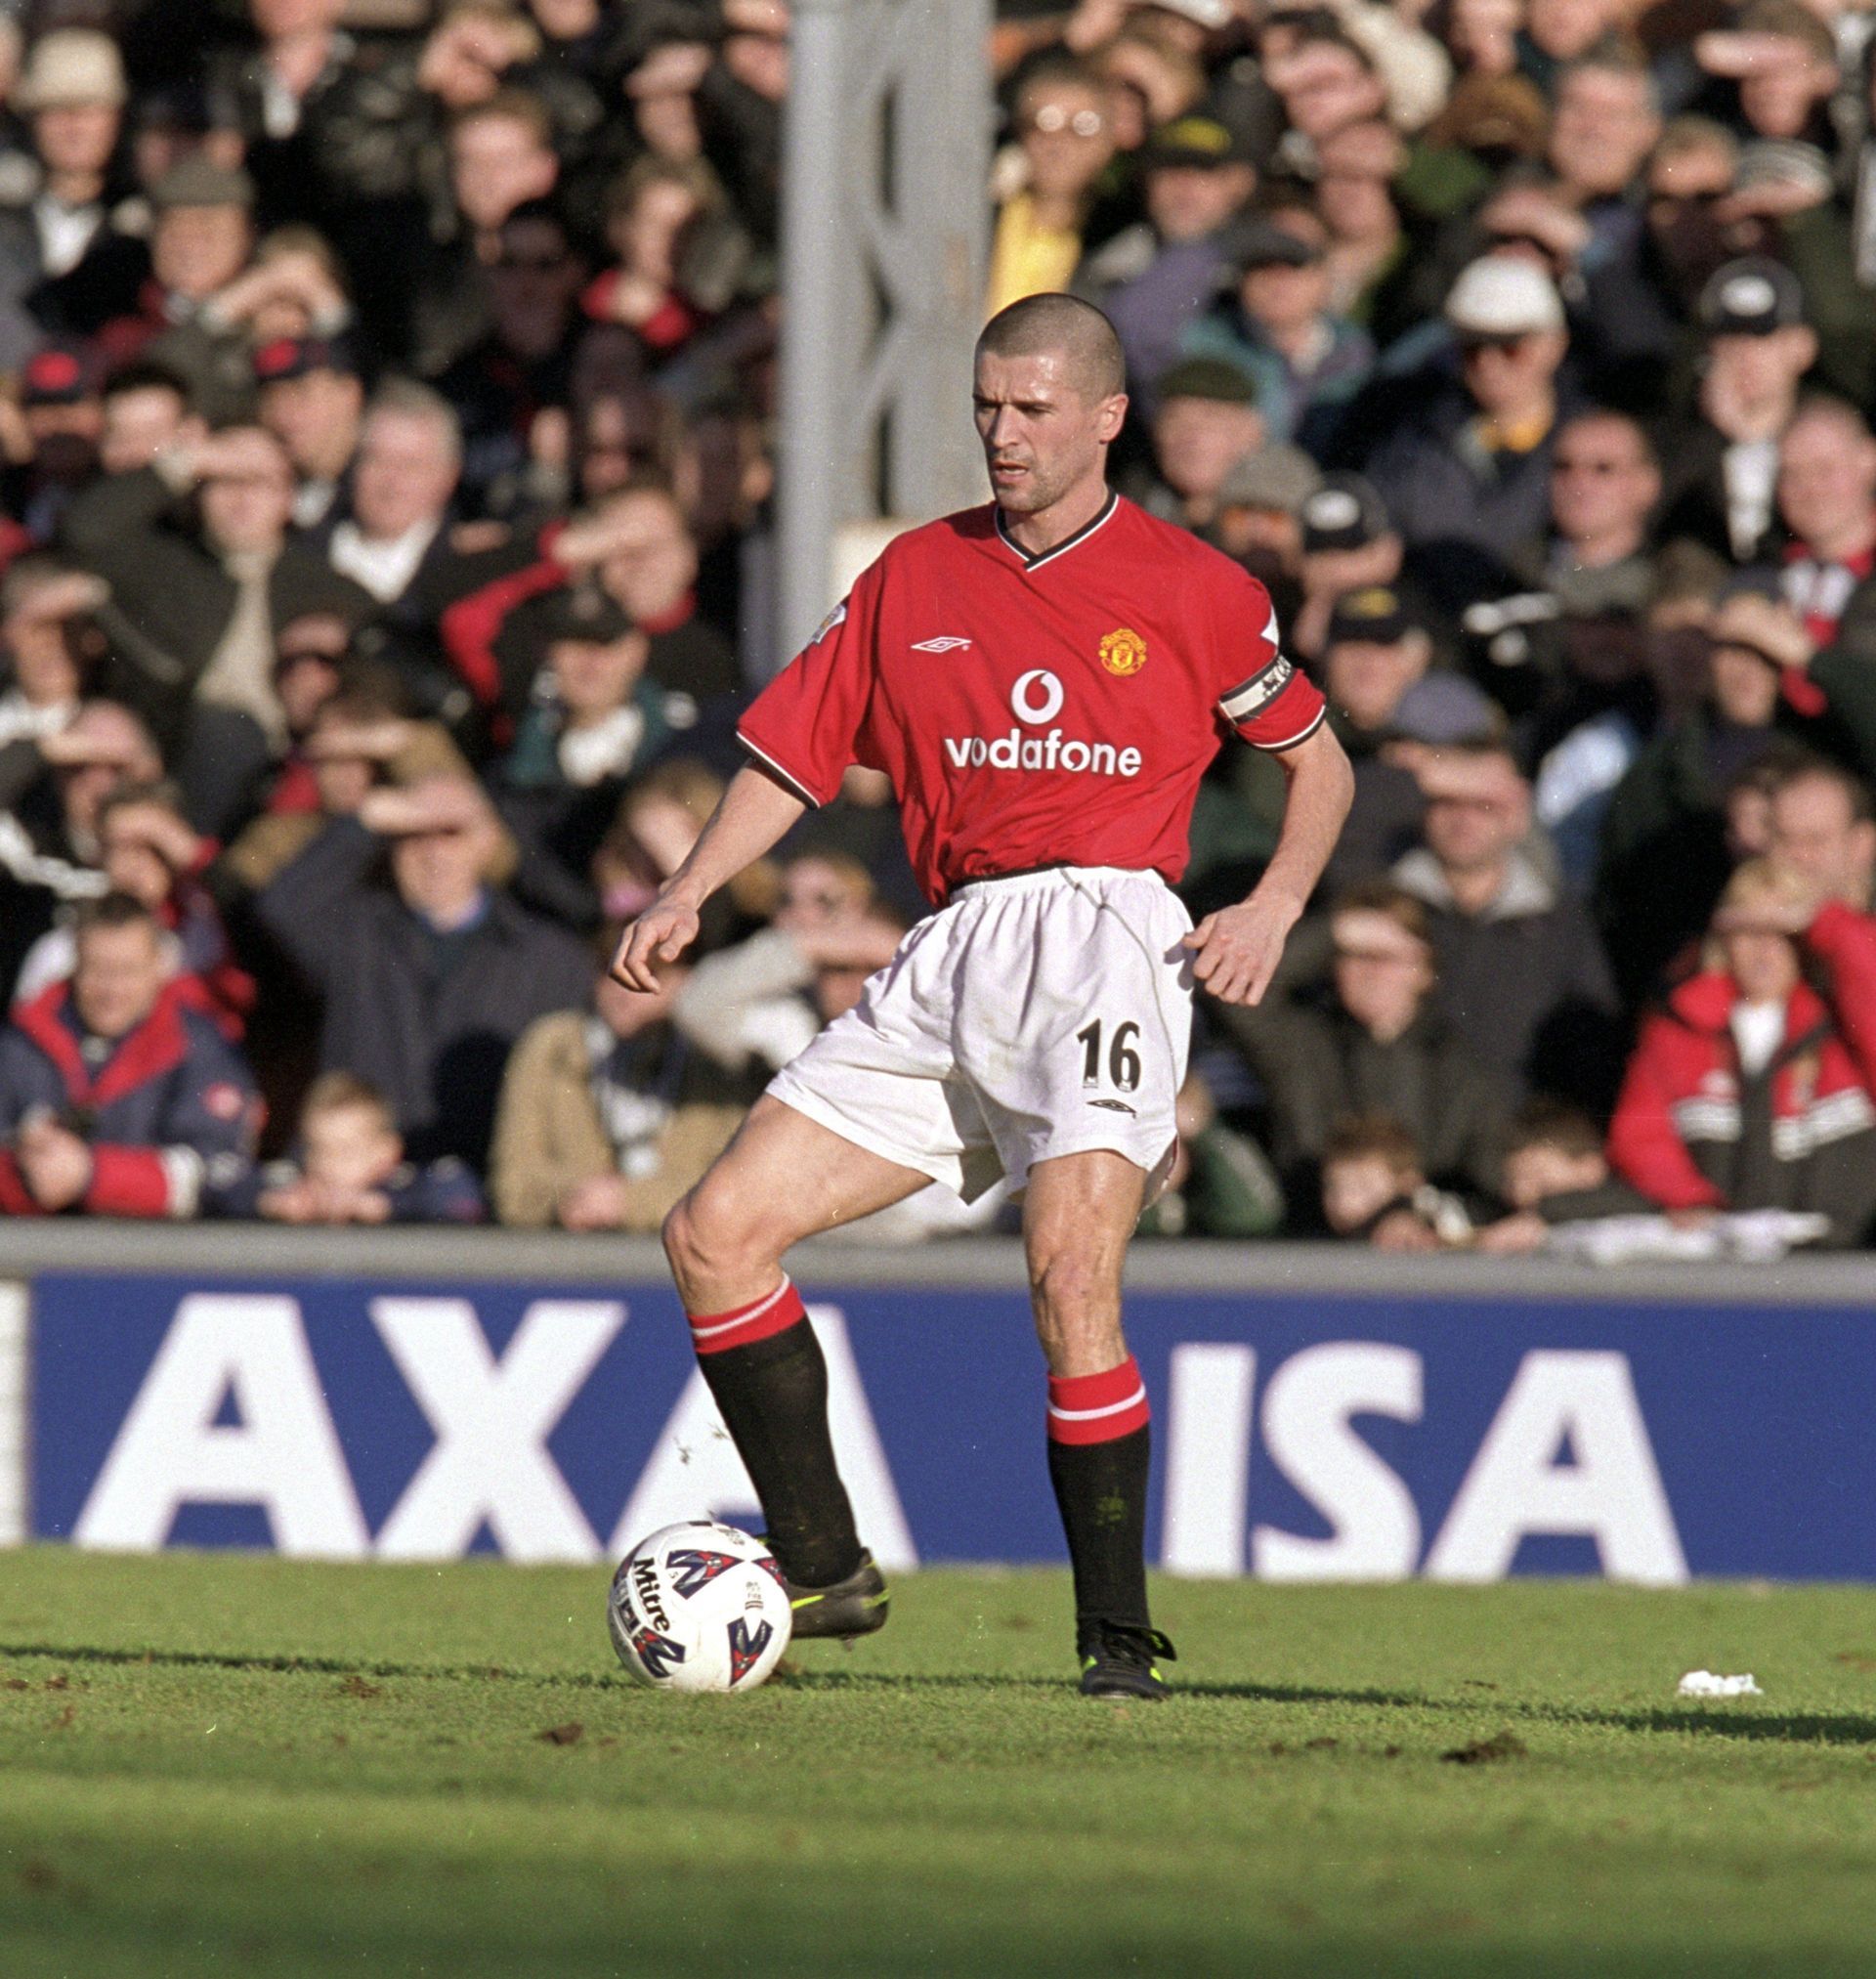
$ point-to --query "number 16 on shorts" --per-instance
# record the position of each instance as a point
(1118, 1065)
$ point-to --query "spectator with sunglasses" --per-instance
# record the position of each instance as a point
(1604, 485)
(524, 364)
(1466, 478)
(1689, 173)
(1064, 145)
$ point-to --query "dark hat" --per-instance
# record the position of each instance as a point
(1252, 242)
(1345, 513)
(1751, 297)
(1493, 113)
(58, 376)
(1278, 477)
(1205, 379)
(298, 357)
(181, 107)
(1444, 709)
(197, 180)
(1197, 140)
(579, 613)
(1371, 617)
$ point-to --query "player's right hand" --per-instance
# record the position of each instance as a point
(661, 934)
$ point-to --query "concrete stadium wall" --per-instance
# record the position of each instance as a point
(1320, 1412)
(13, 1414)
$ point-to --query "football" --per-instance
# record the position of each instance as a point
(699, 1606)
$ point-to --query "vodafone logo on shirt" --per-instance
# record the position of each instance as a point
(1038, 696)
(1034, 700)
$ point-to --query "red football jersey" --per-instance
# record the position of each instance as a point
(1036, 710)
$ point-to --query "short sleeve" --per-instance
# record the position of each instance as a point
(805, 723)
(1265, 699)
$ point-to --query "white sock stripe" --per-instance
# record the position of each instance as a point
(743, 1318)
(1134, 1400)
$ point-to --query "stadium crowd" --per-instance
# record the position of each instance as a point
(386, 464)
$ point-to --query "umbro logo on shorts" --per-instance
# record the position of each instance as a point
(947, 642)
(1114, 1106)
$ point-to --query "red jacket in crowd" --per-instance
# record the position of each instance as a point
(1694, 1129)
(169, 1110)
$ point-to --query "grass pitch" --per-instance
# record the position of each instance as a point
(249, 1767)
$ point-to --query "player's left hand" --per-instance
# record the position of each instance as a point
(1237, 949)
(661, 934)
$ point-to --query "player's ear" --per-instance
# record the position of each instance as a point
(1111, 417)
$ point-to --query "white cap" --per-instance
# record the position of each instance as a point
(71, 65)
(1503, 295)
(1213, 14)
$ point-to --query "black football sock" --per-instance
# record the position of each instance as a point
(1099, 1443)
(765, 1368)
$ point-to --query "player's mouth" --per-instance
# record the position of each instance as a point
(1006, 473)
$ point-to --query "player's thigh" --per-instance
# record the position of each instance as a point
(783, 1177)
(1078, 1215)
(1076, 1018)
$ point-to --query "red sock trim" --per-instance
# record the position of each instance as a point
(1097, 1409)
(760, 1319)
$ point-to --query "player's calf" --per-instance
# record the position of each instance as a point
(768, 1376)
(1099, 1451)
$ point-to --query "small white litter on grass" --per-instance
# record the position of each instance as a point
(1705, 1683)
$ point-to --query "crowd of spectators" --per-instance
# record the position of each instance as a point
(387, 451)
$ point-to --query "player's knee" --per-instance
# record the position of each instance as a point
(687, 1241)
(674, 1232)
(705, 1242)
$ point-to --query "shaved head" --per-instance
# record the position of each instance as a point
(1064, 327)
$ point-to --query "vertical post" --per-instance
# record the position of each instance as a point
(883, 247)
(817, 481)
(944, 116)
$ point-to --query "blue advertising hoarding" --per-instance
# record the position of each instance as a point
(1320, 1436)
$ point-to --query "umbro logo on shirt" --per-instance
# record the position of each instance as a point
(947, 642)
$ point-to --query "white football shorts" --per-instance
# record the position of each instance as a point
(1043, 1015)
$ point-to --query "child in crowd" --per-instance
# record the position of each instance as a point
(349, 1168)
(1555, 1172)
(1374, 1189)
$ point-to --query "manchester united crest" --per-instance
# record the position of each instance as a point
(1123, 651)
